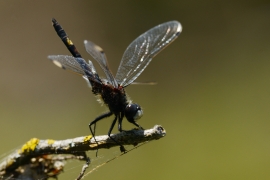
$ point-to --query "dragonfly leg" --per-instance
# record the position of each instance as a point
(120, 122)
(94, 123)
(136, 124)
(122, 149)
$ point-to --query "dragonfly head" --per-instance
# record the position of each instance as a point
(133, 112)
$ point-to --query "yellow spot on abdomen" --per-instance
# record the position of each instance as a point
(69, 42)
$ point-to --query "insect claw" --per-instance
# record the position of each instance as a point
(122, 149)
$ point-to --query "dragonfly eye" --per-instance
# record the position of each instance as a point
(133, 112)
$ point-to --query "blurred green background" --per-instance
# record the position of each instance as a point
(212, 96)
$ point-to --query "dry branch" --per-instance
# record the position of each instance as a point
(34, 149)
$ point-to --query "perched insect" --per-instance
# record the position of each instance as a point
(111, 90)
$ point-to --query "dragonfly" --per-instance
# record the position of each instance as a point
(111, 90)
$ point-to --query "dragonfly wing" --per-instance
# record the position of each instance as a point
(141, 51)
(77, 65)
(99, 55)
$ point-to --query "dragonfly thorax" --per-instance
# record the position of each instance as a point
(114, 98)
